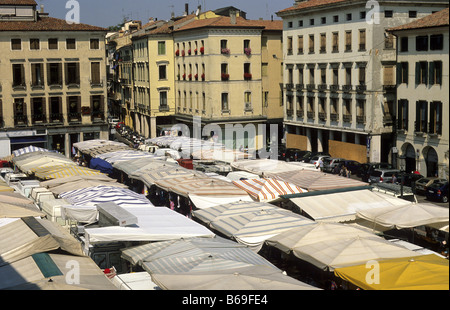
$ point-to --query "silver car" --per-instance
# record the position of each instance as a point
(383, 175)
(330, 163)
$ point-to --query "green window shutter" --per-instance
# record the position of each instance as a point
(425, 73)
(399, 73)
(438, 68)
(431, 73)
(417, 73)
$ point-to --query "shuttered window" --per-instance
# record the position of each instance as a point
(34, 44)
(18, 75)
(161, 48)
(335, 41)
(16, 44)
(300, 44)
(362, 39)
(54, 73)
(52, 44)
(72, 73)
(95, 73)
(388, 75)
(348, 40)
(95, 44)
(71, 44)
(37, 74)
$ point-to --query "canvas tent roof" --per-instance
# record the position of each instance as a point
(267, 167)
(154, 224)
(426, 272)
(15, 211)
(340, 206)
(267, 189)
(28, 149)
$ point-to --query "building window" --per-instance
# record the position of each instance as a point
(35, 44)
(248, 100)
(289, 24)
(388, 13)
(348, 76)
(225, 106)
(97, 107)
(247, 73)
(95, 73)
(20, 112)
(73, 73)
(403, 44)
(161, 48)
(362, 15)
(323, 76)
(389, 41)
(360, 111)
(323, 42)
(289, 45)
(310, 108)
(71, 44)
(74, 108)
(37, 74)
(436, 42)
(336, 18)
(223, 47)
(412, 14)
(349, 16)
(53, 44)
(163, 99)
(362, 75)
(162, 72)
(322, 109)
(435, 76)
(422, 43)
(335, 76)
(300, 23)
(435, 118)
(348, 41)
(347, 110)
(16, 44)
(300, 107)
(334, 109)
(247, 49)
(402, 73)
(421, 116)
(301, 75)
(323, 20)
(311, 43)
(95, 44)
(38, 110)
(300, 45)
(311, 22)
(55, 108)
(18, 75)
(224, 72)
(362, 40)
(54, 74)
(402, 114)
(311, 76)
(335, 42)
(388, 75)
(421, 72)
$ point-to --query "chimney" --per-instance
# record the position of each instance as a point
(42, 8)
(186, 9)
(233, 17)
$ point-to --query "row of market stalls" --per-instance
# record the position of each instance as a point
(263, 209)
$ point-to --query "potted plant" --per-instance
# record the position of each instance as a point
(202, 50)
(177, 53)
(225, 76)
(248, 51)
(247, 76)
(225, 51)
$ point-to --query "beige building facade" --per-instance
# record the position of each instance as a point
(339, 75)
(52, 80)
(422, 138)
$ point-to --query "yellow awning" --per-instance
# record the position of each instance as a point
(68, 171)
(426, 272)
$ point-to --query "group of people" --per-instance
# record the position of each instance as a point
(340, 170)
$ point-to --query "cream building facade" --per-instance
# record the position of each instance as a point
(422, 94)
(339, 75)
(52, 79)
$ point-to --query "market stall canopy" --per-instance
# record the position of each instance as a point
(44, 161)
(426, 272)
(254, 227)
(135, 168)
(15, 211)
(238, 175)
(5, 188)
(316, 180)
(104, 149)
(200, 186)
(250, 278)
(120, 156)
(193, 255)
(296, 237)
(205, 202)
(15, 198)
(100, 194)
(29, 235)
(341, 206)
(46, 271)
(61, 181)
(28, 149)
(66, 171)
(407, 216)
(267, 167)
(150, 177)
(338, 253)
(90, 144)
(154, 224)
(266, 189)
(101, 165)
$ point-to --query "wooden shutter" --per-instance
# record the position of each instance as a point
(431, 74)
(95, 72)
(388, 75)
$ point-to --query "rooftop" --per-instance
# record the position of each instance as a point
(225, 21)
(18, 2)
(437, 19)
(45, 24)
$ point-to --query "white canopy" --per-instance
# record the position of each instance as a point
(154, 224)
(263, 167)
(267, 189)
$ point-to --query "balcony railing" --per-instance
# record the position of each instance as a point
(361, 88)
(334, 117)
(21, 120)
(299, 113)
(347, 118)
(299, 87)
(322, 116)
(56, 118)
(310, 86)
(74, 117)
(39, 119)
(420, 127)
(361, 119)
(322, 87)
(347, 88)
(289, 112)
(310, 114)
(334, 87)
(289, 86)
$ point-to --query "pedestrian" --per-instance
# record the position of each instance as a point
(394, 179)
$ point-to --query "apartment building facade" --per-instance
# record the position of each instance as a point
(220, 65)
(422, 138)
(339, 75)
(52, 79)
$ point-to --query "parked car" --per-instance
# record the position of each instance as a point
(367, 169)
(409, 179)
(316, 159)
(294, 154)
(383, 175)
(330, 163)
(281, 152)
(308, 157)
(422, 184)
(352, 165)
(438, 191)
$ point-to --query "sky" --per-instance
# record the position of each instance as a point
(106, 13)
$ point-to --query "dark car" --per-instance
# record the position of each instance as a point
(438, 191)
(409, 179)
(294, 154)
(366, 169)
(352, 165)
(281, 151)
(421, 185)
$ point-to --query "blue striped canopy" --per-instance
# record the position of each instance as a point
(29, 149)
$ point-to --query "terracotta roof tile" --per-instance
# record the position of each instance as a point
(437, 19)
(18, 2)
(46, 24)
(310, 4)
(225, 21)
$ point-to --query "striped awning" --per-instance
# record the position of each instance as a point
(29, 149)
(119, 156)
(150, 177)
(200, 186)
(316, 180)
(101, 194)
(193, 255)
(266, 189)
(65, 171)
(134, 166)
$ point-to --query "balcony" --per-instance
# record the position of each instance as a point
(299, 87)
(347, 88)
(37, 119)
(361, 88)
(247, 76)
(322, 116)
(164, 108)
(98, 116)
(310, 114)
(388, 120)
(322, 87)
(334, 87)
(20, 120)
(334, 117)
(300, 113)
(360, 119)
(289, 112)
(289, 87)
(74, 117)
(56, 118)
(310, 86)
(347, 118)
(225, 76)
